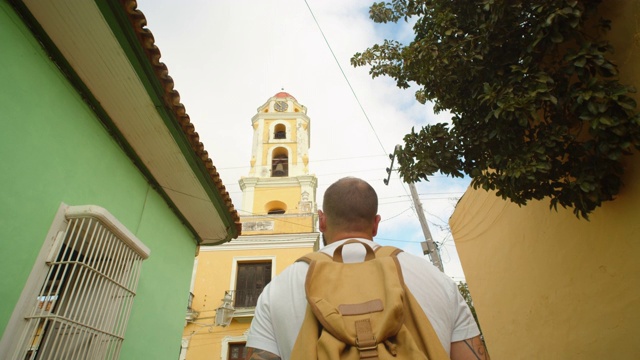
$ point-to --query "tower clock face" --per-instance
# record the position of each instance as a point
(280, 106)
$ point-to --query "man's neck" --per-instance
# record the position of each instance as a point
(348, 235)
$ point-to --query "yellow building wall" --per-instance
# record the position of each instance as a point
(547, 285)
(282, 224)
(290, 195)
(213, 278)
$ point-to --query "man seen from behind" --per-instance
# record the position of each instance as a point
(350, 209)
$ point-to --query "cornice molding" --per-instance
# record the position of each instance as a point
(261, 242)
(285, 181)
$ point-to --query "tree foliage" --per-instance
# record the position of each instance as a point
(537, 107)
(463, 288)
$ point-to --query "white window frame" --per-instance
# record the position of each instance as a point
(184, 346)
(84, 297)
(224, 349)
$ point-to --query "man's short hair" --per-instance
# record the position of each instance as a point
(350, 201)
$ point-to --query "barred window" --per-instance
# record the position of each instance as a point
(82, 307)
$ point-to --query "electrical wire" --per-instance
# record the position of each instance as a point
(396, 215)
(345, 77)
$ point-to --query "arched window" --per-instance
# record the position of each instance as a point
(275, 207)
(280, 132)
(280, 162)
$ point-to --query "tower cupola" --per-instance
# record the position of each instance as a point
(279, 183)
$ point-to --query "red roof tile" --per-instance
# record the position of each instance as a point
(283, 94)
(172, 99)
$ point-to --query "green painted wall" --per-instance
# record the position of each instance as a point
(53, 150)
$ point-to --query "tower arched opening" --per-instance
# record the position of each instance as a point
(280, 162)
(275, 207)
(280, 132)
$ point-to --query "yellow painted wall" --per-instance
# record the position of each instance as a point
(547, 285)
(213, 278)
(283, 224)
(291, 196)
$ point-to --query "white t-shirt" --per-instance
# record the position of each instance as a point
(281, 307)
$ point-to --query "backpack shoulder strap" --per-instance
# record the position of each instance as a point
(320, 256)
(387, 251)
(316, 255)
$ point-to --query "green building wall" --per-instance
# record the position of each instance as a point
(55, 150)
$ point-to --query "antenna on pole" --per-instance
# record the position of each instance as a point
(429, 247)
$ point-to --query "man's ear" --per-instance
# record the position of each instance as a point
(322, 221)
(376, 222)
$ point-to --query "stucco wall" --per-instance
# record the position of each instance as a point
(547, 285)
(213, 276)
(289, 195)
(54, 150)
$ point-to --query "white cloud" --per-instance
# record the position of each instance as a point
(228, 57)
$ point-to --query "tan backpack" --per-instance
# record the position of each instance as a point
(363, 311)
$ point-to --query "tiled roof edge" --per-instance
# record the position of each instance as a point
(172, 99)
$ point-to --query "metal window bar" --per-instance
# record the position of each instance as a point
(84, 304)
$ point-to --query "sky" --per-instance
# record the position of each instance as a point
(228, 57)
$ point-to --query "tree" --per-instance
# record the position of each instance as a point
(466, 295)
(537, 107)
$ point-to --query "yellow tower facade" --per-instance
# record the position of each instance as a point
(279, 215)
(279, 182)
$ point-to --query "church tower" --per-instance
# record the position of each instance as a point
(279, 195)
(278, 227)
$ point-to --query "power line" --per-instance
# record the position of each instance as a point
(425, 194)
(421, 199)
(310, 162)
(345, 77)
(396, 215)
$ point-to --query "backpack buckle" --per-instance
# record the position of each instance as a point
(366, 340)
(368, 349)
(369, 345)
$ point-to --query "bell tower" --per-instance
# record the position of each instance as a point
(279, 195)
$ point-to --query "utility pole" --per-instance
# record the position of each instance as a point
(429, 247)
